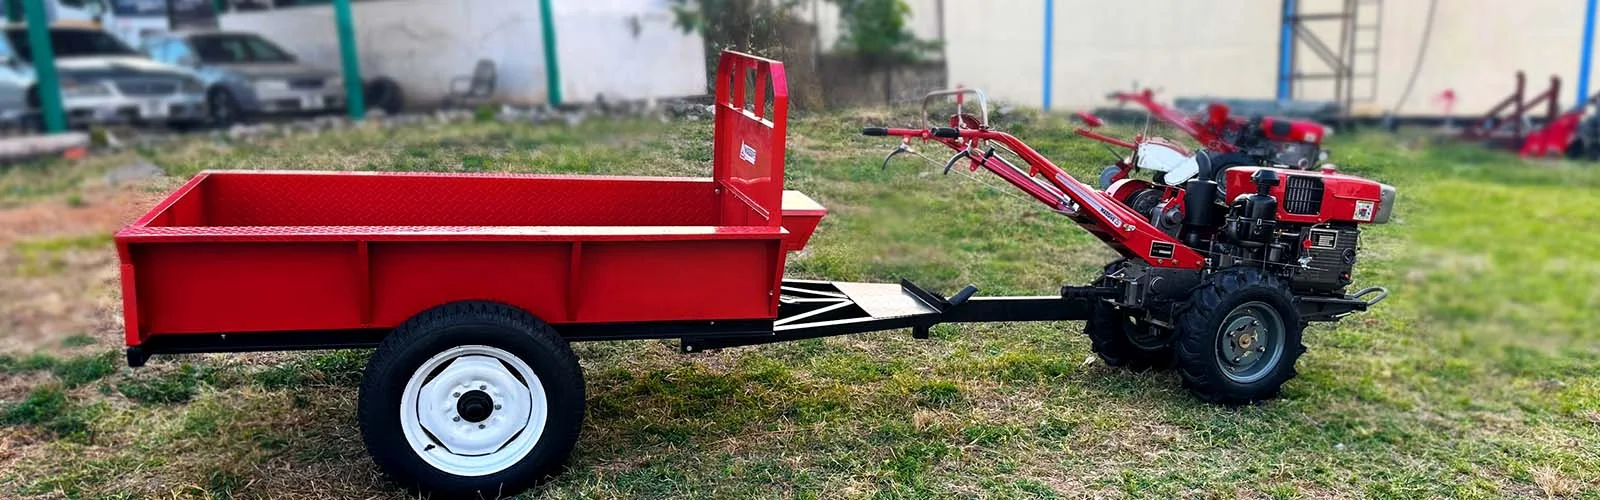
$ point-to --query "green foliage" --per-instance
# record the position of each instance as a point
(12, 364)
(752, 26)
(1479, 377)
(172, 387)
(84, 369)
(484, 113)
(48, 408)
(876, 31)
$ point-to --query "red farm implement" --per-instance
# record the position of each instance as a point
(471, 287)
(1272, 141)
(1509, 121)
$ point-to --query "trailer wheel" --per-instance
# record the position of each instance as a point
(471, 399)
(1238, 337)
(1123, 340)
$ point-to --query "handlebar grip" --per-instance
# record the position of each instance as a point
(946, 133)
(875, 131)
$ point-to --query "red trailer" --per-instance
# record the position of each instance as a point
(472, 286)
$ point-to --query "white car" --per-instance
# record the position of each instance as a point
(101, 80)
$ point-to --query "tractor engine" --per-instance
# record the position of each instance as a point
(1292, 143)
(1301, 225)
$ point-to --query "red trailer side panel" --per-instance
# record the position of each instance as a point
(248, 252)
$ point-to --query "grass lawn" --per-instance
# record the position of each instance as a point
(1478, 378)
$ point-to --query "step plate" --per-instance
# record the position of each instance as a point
(884, 300)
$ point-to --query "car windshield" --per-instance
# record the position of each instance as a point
(69, 43)
(225, 49)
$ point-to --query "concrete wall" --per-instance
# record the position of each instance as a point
(626, 49)
(1190, 48)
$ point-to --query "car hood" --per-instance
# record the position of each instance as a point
(117, 67)
(256, 71)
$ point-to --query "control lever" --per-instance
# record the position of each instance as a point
(902, 148)
(962, 296)
(965, 153)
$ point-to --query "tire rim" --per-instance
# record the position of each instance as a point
(1250, 342)
(473, 410)
(220, 112)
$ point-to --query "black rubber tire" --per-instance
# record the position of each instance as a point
(1199, 327)
(223, 109)
(1109, 330)
(470, 323)
(385, 94)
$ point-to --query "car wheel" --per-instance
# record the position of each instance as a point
(223, 107)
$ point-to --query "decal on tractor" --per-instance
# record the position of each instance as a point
(1363, 211)
(1161, 249)
(1324, 238)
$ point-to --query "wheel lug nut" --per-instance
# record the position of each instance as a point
(480, 426)
(455, 395)
(1261, 349)
(496, 407)
(457, 419)
(483, 387)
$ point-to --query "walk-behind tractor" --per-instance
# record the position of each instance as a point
(471, 286)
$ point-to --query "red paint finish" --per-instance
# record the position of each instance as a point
(283, 251)
(1286, 130)
(801, 215)
(1340, 194)
(1118, 226)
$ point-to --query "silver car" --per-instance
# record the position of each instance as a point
(101, 80)
(247, 75)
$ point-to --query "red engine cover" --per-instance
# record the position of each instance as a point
(1313, 197)
(1286, 130)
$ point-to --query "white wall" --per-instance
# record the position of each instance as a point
(1194, 48)
(423, 44)
(625, 49)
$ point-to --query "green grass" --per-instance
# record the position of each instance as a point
(1478, 378)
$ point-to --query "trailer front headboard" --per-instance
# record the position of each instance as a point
(752, 112)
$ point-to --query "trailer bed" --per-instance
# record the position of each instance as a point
(331, 258)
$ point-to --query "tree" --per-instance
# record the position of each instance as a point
(745, 25)
(876, 31)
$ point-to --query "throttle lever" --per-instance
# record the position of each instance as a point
(902, 148)
(965, 153)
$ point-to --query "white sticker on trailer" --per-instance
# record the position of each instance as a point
(1364, 211)
(747, 153)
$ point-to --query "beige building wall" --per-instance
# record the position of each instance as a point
(1230, 48)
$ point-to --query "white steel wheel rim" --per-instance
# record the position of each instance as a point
(467, 438)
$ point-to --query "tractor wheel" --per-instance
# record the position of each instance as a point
(1238, 337)
(471, 400)
(1124, 340)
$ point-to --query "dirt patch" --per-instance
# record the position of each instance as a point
(58, 268)
(16, 386)
(101, 210)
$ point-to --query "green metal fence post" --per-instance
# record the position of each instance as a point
(47, 85)
(354, 99)
(14, 11)
(552, 68)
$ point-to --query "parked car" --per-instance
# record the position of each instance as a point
(247, 75)
(101, 80)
